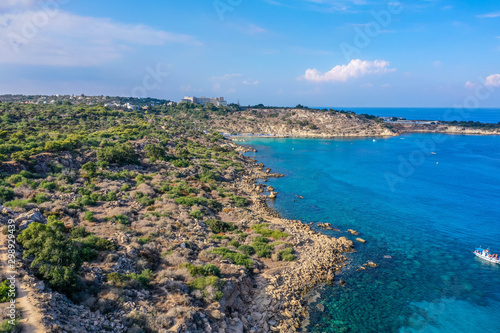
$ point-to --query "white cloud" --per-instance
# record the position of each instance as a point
(253, 29)
(15, 4)
(59, 38)
(355, 69)
(493, 80)
(226, 77)
(252, 83)
(489, 15)
(470, 85)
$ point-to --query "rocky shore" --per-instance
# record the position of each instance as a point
(281, 304)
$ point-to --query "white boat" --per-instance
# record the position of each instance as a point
(486, 255)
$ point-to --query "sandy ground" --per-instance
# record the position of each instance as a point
(30, 316)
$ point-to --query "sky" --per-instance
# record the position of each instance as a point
(358, 53)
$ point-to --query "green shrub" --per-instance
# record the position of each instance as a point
(103, 164)
(18, 203)
(238, 258)
(125, 188)
(122, 219)
(119, 153)
(246, 249)
(264, 231)
(41, 198)
(5, 290)
(56, 259)
(86, 200)
(79, 232)
(197, 214)
(89, 216)
(234, 243)
(143, 199)
(110, 196)
(219, 237)
(240, 201)
(6, 194)
(286, 254)
(218, 227)
(120, 279)
(50, 186)
(191, 201)
(144, 240)
(181, 163)
(90, 168)
(155, 152)
(262, 249)
(203, 282)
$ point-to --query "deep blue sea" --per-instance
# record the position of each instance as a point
(422, 215)
(484, 115)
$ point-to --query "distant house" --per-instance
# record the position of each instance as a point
(217, 101)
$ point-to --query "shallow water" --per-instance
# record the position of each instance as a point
(421, 227)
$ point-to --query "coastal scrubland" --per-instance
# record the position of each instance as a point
(147, 221)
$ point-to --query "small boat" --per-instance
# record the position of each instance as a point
(486, 255)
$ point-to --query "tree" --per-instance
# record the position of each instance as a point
(90, 168)
(55, 259)
(120, 153)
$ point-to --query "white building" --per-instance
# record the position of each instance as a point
(217, 101)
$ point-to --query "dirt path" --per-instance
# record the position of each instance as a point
(30, 316)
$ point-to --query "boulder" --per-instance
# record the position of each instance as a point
(24, 220)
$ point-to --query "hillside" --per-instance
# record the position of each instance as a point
(133, 221)
(297, 123)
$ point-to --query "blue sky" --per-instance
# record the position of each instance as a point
(314, 52)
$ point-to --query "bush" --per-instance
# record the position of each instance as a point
(286, 254)
(218, 227)
(120, 279)
(191, 201)
(238, 258)
(110, 196)
(246, 249)
(6, 194)
(264, 231)
(240, 201)
(203, 282)
(17, 203)
(79, 232)
(234, 243)
(122, 219)
(125, 188)
(90, 168)
(155, 152)
(56, 259)
(143, 199)
(89, 216)
(181, 163)
(41, 198)
(207, 270)
(50, 186)
(5, 290)
(103, 164)
(261, 247)
(197, 214)
(119, 153)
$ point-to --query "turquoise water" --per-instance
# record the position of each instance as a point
(484, 115)
(421, 227)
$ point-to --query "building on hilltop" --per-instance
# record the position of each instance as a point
(218, 101)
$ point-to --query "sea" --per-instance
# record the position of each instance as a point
(423, 203)
(484, 115)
